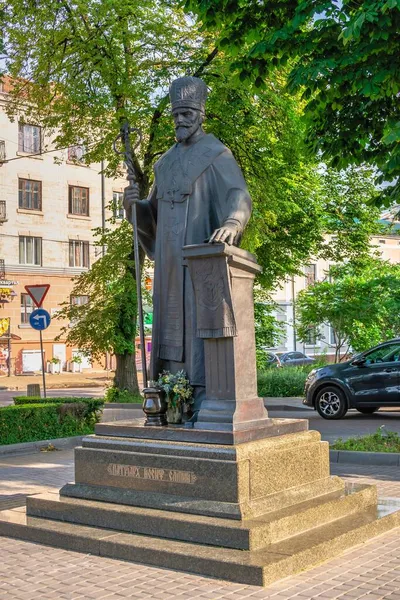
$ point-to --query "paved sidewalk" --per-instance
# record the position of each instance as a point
(28, 571)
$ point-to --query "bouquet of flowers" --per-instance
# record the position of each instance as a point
(177, 388)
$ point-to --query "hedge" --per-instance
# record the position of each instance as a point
(93, 403)
(280, 383)
(34, 422)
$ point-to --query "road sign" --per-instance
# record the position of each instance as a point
(39, 319)
(38, 293)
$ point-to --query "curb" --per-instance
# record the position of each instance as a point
(390, 459)
(295, 403)
(285, 407)
(33, 447)
(130, 405)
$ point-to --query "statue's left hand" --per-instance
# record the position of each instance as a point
(227, 233)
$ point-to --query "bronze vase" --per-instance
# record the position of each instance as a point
(154, 407)
(174, 413)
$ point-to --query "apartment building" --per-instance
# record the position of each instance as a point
(48, 209)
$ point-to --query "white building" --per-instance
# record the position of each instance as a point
(389, 248)
(47, 212)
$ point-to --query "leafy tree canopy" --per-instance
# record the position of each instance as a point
(80, 69)
(107, 321)
(361, 302)
(344, 58)
(350, 219)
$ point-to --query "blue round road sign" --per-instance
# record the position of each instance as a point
(39, 319)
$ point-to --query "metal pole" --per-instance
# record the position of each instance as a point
(43, 373)
(103, 203)
(9, 348)
(294, 317)
(125, 138)
(139, 294)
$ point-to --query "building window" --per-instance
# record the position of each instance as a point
(30, 194)
(76, 153)
(118, 205)
(311, 338)
(29, 138)
(78, 203)
(78, 253)
(79, 300)
(26, 308)
(30, 250)
(310, 273)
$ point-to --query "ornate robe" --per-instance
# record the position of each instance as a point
(197, 189)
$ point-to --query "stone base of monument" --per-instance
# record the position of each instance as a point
(252, 513)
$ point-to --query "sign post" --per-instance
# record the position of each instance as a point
(39, 319)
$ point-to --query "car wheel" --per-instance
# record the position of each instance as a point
(331, 403)
(368, 410)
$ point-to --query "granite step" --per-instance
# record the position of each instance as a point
(250, 534)
(260, 567)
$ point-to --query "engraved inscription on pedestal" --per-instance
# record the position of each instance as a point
(154, 474)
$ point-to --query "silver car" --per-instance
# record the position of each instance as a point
(288, 359)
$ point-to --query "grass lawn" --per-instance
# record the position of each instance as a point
(380, 441)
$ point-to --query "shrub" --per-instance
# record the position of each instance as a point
(43, 421)
(114, 394)
(287, 381)
(94, 404)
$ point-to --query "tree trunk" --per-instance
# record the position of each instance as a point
(126, 374)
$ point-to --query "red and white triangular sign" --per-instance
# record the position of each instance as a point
(38, 293)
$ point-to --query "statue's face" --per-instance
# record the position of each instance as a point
(187, 121)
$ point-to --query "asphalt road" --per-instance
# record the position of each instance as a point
(6, 397)
(353, 424)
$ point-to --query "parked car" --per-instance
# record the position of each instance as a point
(288, 359)
(295, 359)
(366, 382)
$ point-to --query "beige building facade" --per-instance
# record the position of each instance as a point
(48, 209)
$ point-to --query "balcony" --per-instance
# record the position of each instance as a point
(2, 151)
(2, 269)
(3, 212)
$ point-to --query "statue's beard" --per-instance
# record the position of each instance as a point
(183, 133)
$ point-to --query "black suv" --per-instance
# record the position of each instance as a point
(366, 382)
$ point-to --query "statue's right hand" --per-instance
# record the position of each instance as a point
(131, 195)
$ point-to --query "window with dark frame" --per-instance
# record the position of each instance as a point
(29, 194)
(118, 205)
(78, 254)
(27, 308)
(311, 338)
(30, 250)
(78, 200)
(79, 300)
(29, 138)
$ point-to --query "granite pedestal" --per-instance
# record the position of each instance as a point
(253, 512)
